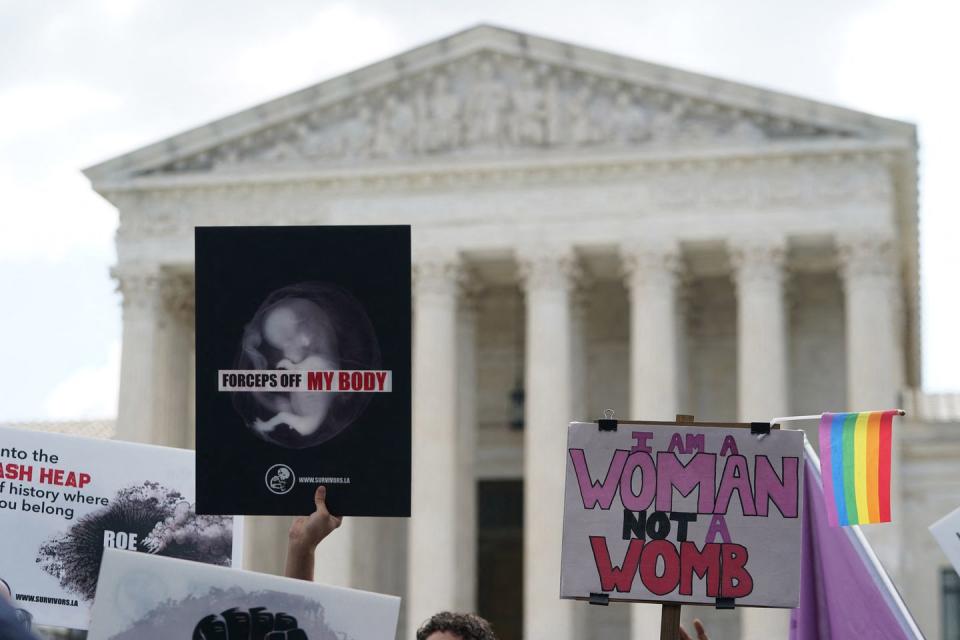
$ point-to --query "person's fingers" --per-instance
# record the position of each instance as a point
(336, 521)
(320, 498)
(701, 632)
(684, 635)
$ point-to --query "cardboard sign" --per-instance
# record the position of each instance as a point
(64, 499)
(682, 514)
(150, 598)
(303, 369)
(947, 532)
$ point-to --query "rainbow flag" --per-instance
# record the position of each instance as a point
(855, 459)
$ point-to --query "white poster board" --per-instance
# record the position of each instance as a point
(143, 597)
(656, 513)
(63, 499)
(947, 532)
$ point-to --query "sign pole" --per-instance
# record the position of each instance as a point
(670, 612)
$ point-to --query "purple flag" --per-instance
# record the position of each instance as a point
(844, 592)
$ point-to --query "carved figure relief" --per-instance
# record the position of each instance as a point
(528, 116)
(441, 127)
(486, 103)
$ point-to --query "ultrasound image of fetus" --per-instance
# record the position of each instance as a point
(309, 326)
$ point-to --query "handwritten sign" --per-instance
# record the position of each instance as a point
(947, 532)
(143, 597)
(682, 514)
(64, 499)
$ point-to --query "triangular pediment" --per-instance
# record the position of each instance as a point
(492, 92)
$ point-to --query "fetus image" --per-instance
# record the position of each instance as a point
(310, 326)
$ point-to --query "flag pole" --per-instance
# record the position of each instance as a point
(900, 412)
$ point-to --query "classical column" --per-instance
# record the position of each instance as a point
(579, 350)
(175, 318)
(140, 287)
(467, 438)
(758, 272)
(875, 363)
(434, 560)
(548, 278)
(651, 280)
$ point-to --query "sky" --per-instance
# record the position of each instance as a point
(81, 82)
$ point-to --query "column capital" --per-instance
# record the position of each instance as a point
(643, 263)
(139, 285)
(758, 262)
(471, 291)
(544, 268)
(177, 294)
(438, 274)
(866, 256)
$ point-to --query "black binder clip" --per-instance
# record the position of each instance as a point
(601, 599)
(760, 428)
(725, 603)
(607, 422)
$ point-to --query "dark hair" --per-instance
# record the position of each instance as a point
(467, 626)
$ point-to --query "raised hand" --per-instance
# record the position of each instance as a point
(309, 531)
(698, 627)
(306, 532)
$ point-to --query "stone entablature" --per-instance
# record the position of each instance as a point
(829, 182)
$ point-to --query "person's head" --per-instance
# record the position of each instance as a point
(6, 593)
(455, 626)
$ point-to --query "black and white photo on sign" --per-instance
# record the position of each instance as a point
(304, 327)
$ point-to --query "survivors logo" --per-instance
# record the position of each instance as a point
(280, 479)
(254, 624)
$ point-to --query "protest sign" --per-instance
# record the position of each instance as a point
(662, 513)
(150, 598)
(64, 499)
(947, 532)
(303, 369)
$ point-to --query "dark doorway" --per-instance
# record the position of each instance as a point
(500, 556)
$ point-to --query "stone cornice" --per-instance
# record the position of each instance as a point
(514, 169)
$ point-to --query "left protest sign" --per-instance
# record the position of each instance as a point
(656, 513)
(68, 498)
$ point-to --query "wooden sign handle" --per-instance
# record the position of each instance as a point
(670, 621)
(670, 611)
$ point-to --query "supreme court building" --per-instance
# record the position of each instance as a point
(589, 232)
